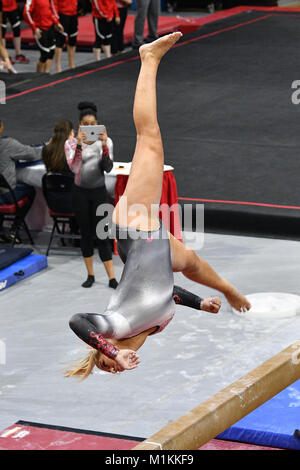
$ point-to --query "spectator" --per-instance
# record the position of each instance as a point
(66, 12)
(88, 161)
(55, 161)
(53, 153)
(118, 29)
(149, 9)
(11, 13)
(103, 12)
(12, 150)
(40, 16)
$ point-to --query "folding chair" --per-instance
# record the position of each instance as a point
(14, 211)
(57, 189)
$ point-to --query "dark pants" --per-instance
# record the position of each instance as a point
(85, 204)
(146, 9)
(117, 44)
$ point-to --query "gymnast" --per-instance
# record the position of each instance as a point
(144, 301)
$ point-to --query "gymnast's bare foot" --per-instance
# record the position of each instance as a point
(237, 300)
(158, 48)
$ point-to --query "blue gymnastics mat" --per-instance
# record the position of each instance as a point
(272, 424)
(21, 269)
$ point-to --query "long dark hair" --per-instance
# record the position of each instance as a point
(53, 154)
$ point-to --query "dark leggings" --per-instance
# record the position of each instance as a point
(118, 32)
(85, 203)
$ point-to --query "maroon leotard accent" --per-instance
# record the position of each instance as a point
(99, 342)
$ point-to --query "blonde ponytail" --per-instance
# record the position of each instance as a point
(84, 367)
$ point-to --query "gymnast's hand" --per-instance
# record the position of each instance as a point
(212, 304)
(81, 136)
(59, 27)
(38, 33)
(103, 136)
(127, 359)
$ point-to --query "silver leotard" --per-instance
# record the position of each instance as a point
(143, 298)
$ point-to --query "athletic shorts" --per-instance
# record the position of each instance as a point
(103, 31)
(70, 24)
(46, 44)
(15, 20)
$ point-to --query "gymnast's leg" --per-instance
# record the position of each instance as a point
(145, 181)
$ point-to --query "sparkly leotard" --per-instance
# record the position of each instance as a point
(144, 297)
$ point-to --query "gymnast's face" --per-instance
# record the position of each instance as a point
(88, 120)
(108, 365)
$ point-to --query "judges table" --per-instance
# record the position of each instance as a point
(38, 217)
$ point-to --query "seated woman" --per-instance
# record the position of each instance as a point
(143, 304)
(53, 153)
(11, 150)
(55, 161)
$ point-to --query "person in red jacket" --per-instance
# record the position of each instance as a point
(103, 12)
(66, 12)
(40, 16)
(11, 13)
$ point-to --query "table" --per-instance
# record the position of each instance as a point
(38, 217)
(169, 198)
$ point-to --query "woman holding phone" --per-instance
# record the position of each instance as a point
(88, 161)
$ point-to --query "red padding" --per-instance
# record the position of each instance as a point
(24, 437)
(11, 208)
(217, 444)
(86, 34)
(58, 214)
(168, 197)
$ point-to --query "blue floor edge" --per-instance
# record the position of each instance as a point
(268, 439)
(22, 269)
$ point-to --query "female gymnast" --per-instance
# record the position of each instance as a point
(143, 304)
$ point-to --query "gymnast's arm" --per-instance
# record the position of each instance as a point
(83, 327)
(184, 297)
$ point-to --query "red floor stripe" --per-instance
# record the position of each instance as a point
(223, 30)
(278, 206)
(57, 82)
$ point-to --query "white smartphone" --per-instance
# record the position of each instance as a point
(92, 132)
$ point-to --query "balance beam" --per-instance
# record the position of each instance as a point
(228, 406)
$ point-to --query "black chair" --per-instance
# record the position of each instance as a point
(15, 211)
(57, 189)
